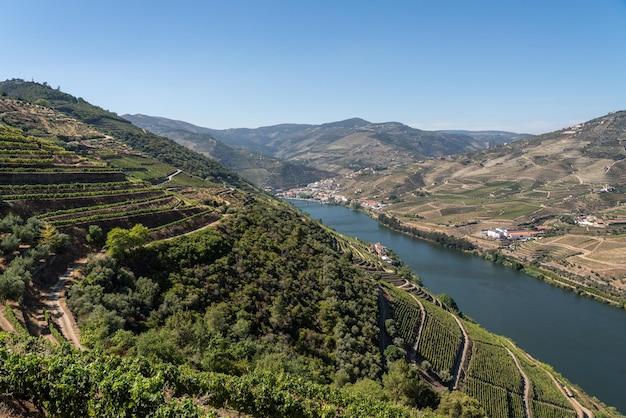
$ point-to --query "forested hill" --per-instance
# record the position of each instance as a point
(108, 122)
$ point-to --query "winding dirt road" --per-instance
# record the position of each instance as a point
(410, 286)
(464, 354)
(54, 300)
(581, 411)
(526, 382)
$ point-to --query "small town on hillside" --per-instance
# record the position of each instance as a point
(327, 191)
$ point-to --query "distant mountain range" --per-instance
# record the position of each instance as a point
(336, 147)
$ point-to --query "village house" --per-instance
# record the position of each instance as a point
(511, 234)
(591, 221)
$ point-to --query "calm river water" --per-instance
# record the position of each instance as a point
(583, 339)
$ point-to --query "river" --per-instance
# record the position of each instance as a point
(583, 339)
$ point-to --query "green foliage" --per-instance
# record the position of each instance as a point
(266, 284)
(438, 237)
(38, 239)
(51, 237)
(9, 243)
(95, 235)
(120, 241)
(66, 383)
(402, 384)
(449, 302)
(459, 405)
(13, 280)
(367, 388)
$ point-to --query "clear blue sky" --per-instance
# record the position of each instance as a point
(531, 65)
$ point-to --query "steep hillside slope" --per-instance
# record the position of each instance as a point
(550, 181)
(260, 169)
(341, 146)
(212, 298)
(109, 123)
(490, 138)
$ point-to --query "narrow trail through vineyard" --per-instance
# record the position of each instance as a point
(526, 382)
(581, 411)
(463, 360)
(464, 354)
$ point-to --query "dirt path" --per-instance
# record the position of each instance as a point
(526, 381)
(54, 300)
(464, 354)
(171, 176)
(612, 164)
(408, 286)
(209, 225)
(581, 411)
(5, 325)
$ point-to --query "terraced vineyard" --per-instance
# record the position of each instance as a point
(407, 317)
(492, 376)
(43, 176)
(547, 399)
(441, 339)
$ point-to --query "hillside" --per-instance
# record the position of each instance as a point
(490, 138)
(132, 288)
(549, 182)
(109, 123)
(261, 170)
(337, 147)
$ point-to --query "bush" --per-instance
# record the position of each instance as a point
(459, 405)
(14, 279)
(402, 384)
(95, 235)
(120, 241)
(9, 244)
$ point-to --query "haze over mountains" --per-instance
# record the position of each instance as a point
(326, 149)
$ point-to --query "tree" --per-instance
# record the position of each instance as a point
(449, 302)
(459, 405)
(9, 243)
(393, 353)
(14, 278)
(402, 384)
(95, 235)
(53, 238)
(120, 241)
(368, 388)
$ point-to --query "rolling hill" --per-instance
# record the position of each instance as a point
(545, 181)
(138, 278)
(337, 147)
(260, 169)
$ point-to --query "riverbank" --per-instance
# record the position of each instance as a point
(496, 256)
(508, 260)
(581, 338)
